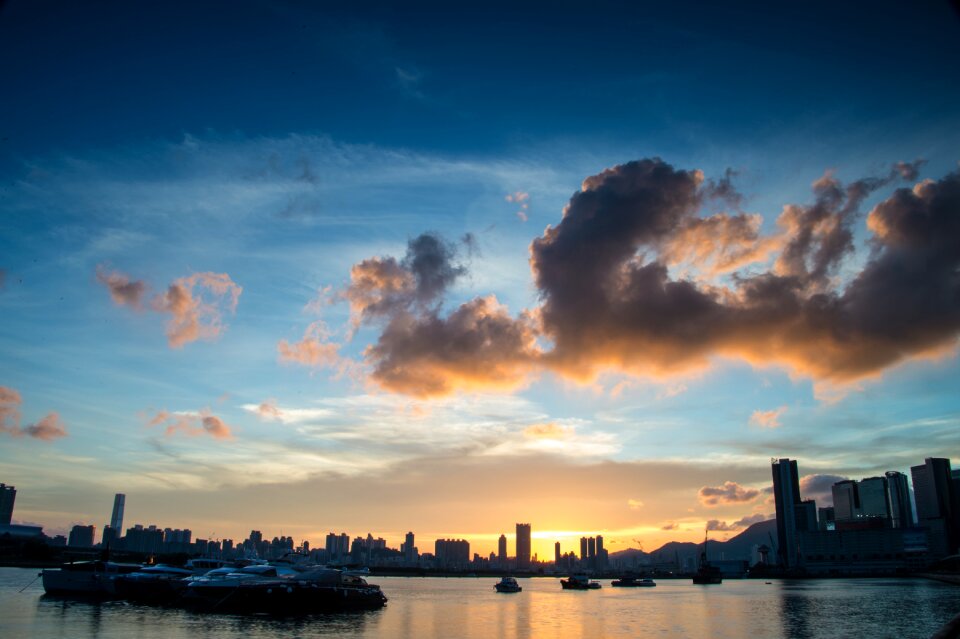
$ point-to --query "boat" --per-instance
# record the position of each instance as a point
(579, 582)
(508, 584)
(85, 578)
(159, 585)
(706, 573)
(280, 592)
(633, 582)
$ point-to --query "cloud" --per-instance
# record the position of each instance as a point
(521, 198)
(746, 522)
(819, 488)
(196, 303)
(634, 504)
(268, 410)
(610, 303)
(123, 291)
(191, 424)
(479, 346)
(767, 418)
(729, 493)
(49, 428)
(670, 525)
(313, 350)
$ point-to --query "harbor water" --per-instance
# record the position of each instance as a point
(439, 608)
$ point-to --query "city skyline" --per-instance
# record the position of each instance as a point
(447, 269)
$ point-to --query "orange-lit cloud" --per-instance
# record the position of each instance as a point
(477, 347)
(123, 291)
(313, 350)
(269, 410)
(192, 424)
(196, 303)
(767, 418)
(745, 522)
(49, 428)
(729, 493)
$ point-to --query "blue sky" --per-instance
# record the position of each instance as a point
(280, 145)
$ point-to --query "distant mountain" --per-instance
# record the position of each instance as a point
(738, 547)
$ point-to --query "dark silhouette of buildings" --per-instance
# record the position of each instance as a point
(898, 496)
(502, 551)
(82, 536)
(452, 553)
(8, 495)
(116, 517)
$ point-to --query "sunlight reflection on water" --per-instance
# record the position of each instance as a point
(439, 608)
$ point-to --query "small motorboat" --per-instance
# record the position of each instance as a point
(633, 582)
(579, 582)
(508, 584)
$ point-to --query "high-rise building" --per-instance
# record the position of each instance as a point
(846, 500)
(8, 494)
(583, 548)
(592, 547)
(937, 505)
(898, 496)
(451, 553)
(409, 549)
(556, 553)
(786, 494)
(502, 550)
(523, 546)
(805, 514)
(116, 519)
(82, 536)
(825, 520)
(873, 497)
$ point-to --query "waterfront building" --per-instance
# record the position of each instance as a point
(409, 549)
(523, 546)
(556, 553)
(874, 501)
(82, 536)
(806, 515)
(583, 548)
(786, 494)
(937, 507)
(502, 551)
(898, 497)
(825, 518)
(452, 553)
(116, 517)
(846, 500)
(8, 495)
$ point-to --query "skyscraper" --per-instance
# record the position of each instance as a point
(846, 500)
(898, 496)
(523, 546)
(937, 507)
(502, 551)
(786, 494)
(116, 519)
(873, 497)
(583, 548)
(8, 495)
(556, 554)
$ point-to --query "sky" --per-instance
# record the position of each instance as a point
(312, 267)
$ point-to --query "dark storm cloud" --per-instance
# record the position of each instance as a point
(819, 487)
(729, 493)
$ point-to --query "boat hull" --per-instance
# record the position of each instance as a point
(282, 598)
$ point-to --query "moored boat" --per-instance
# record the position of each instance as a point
(633, 582)
(160, 584)
(579, 582)
(85, 578)
(320, 590)
(508, 584)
